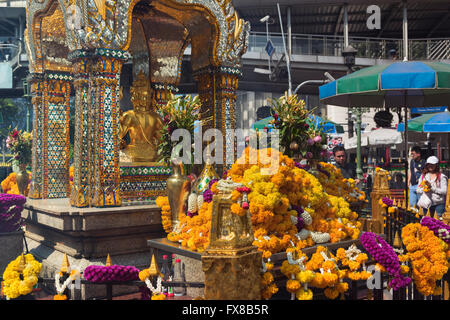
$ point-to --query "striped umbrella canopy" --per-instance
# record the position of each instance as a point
(399, 84)
(431, 122)
(326, 125)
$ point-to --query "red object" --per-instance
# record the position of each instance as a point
(178, 260)
(243, 189)
(245, 205)
(165, 256)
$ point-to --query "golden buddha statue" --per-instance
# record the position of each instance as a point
(142, 124)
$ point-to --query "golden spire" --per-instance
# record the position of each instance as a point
(397, 241)
(154, 270)
(436, 215)
(428, 213)
(65, 264)
(421, 211)
(108, 261)
(403, 204)
(22, 263)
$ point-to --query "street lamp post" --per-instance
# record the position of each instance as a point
(349, 54)
(27, 95)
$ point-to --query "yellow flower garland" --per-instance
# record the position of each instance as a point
(298, 277)
(329, 277)
(354, 265)
(25, 266)
(427, 254)
(166, 213)
(269, 288)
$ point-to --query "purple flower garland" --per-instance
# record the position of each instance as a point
(387, 201)
(100, 274)
(440, 229)
(301, 166)
(385, 256)
(11, 207)
(300, 222)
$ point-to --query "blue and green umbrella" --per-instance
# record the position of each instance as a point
(432, 122)
(399, 84)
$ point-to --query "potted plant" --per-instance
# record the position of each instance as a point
(20, 142)
(300, 137)
(11, 222)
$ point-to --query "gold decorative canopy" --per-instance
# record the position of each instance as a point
(90, 24)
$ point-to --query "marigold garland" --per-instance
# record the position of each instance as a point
(268, 286)
(298, 277)
(166, 213)
(23, 267)
(427, 254)
(328, 276)
(354, 259)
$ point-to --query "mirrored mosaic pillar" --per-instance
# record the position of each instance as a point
(80, 189)
(217, 91)
(55, 152)
(105, 180)
(36, 82)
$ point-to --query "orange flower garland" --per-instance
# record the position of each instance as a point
(427, 254)
(353, 258)
(166, 213)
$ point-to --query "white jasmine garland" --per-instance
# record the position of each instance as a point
(199, 201)
(61, 288)
(303, 234)
(227, 186)
(192, 203)
(352, 252)
(306, 218)
(264, 267)
(320, 237)
(443, 234)
(158, 289)
(299, 262)
(294, 220)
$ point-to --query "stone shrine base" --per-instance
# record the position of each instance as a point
(88, 235)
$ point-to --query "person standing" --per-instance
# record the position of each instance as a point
(416, 167)
(432, 187)
(348, 170)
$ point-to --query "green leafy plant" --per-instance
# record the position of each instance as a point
(179, 113)
(299, 136)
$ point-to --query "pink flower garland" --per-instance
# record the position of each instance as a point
(440, 229)
(101, 274)
(384, 254)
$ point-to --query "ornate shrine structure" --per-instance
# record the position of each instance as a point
(81, 45)
(78, 48)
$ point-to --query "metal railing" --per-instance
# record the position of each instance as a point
(373, 48)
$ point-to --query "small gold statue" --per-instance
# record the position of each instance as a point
(142, 123)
